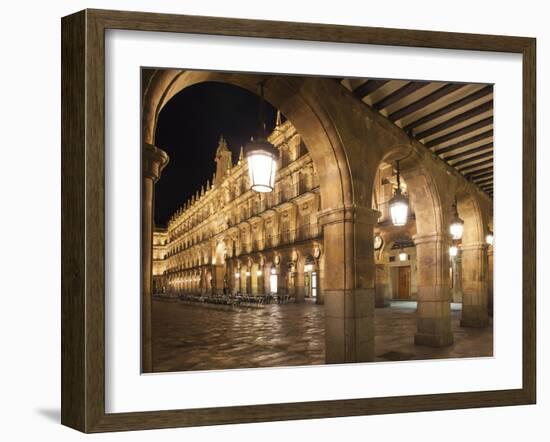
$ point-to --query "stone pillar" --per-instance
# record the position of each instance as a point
(381, 286)
(456, 292)
(320, 282)
(218, 271)
(153, 161)
(282, 283)
(433, 323)
(349, 291)
(475, 311)
(299, 282)
(490, 279)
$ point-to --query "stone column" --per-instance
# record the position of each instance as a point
(299, 282)
(320, 282)
(456, 292)
(218, 271)
(153, 161)
(475, 311)
(433, 323)
(381, 286)
(349, 291)
(282, 277)
(490, 279)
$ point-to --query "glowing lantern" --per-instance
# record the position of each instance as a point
(262, 157)
(457, 224)
(399, 204)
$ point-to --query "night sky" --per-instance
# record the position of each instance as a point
(188, 129)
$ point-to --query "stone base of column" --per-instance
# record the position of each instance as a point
(433, 317)
(380, 300)
(429, 340)
(300, 294)
(474, 317)
(349, 326)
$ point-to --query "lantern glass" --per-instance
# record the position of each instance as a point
(490, 238)
(237, 275)
(262, 157)
(399, 210)
(259, 273)
(453, 251)
(456, 228)
(402, 256)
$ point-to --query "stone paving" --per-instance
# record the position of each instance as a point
(197, 337)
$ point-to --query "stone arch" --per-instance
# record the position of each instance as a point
(346, 141)
(474, 210)
(296, 100)
(429, 195)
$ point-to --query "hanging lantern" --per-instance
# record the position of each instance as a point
(258, 273)
(399, 204)
(453, 251)
(490, 238)
(402, 255)
(261, 156)
(457, 224)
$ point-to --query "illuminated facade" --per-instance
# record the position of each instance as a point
(160, 253)
(230, 239)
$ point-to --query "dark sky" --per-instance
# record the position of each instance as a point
(188, 129)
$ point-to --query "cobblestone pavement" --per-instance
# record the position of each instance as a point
(196, 337)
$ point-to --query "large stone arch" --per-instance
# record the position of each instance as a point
(475, 210)
(296, 100)
(429, 190)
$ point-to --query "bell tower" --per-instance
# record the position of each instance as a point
(223, 161)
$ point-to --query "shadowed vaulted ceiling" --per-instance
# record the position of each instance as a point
(453, 120)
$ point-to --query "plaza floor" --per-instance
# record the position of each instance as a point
(198, 337)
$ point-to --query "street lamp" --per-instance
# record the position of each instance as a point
(261, 156)
(399, 204)
(453, 251)
(457, 224)
(402, 255)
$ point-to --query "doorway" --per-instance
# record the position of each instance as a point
(404, 282)
(311, 285)
(273, 283)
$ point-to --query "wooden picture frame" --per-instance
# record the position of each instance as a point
(83, 216)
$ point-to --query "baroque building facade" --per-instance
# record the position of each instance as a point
(230, 239)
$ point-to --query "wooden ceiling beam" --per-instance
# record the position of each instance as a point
(399, 94)
(476, 177)
(425, 101)
(368, 88)
(484, 169)
(485, 181)
(470, 159)
(459, 132)
(485, 107)
(451, 107)
(464, 143)
(474, 166)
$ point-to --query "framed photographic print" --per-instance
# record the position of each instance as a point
(267, 221)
